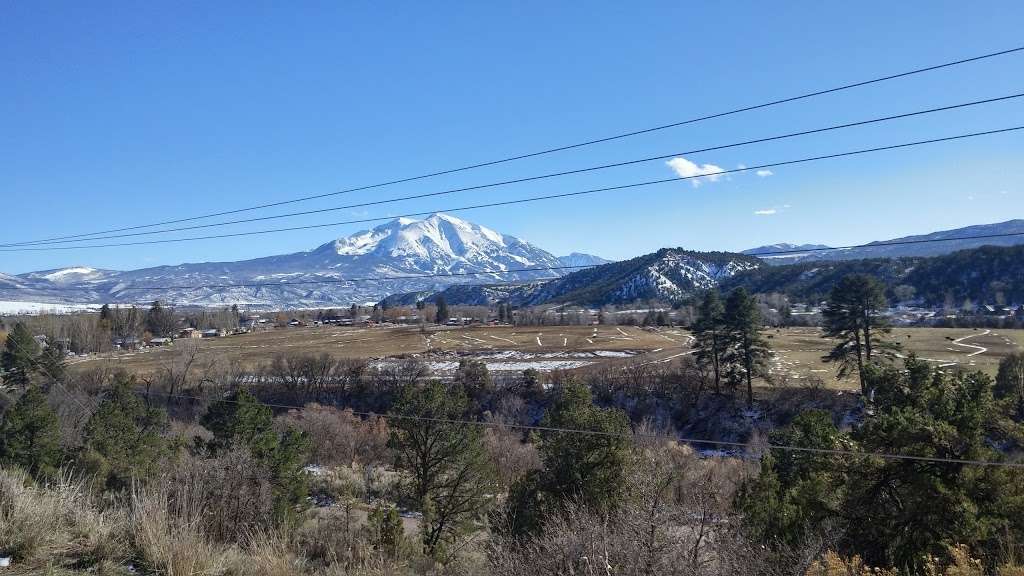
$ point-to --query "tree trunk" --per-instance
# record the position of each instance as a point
(749, 361)
(714, 354)
(860, 362)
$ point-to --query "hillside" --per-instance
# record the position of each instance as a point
(917, 245)
(670, 274)
(986, 274)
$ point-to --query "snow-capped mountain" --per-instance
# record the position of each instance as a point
(71, 275)
(580, 259)
(670, 275)
(439, 244)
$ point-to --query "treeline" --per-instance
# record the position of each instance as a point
(120, 325)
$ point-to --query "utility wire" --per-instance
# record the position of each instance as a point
(744, 445)
(525, 200)
(529, 178)
(50, 375)
(558, 148)
(539, 268)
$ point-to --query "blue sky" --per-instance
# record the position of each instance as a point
(117, 114)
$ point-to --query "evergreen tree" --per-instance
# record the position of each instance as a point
(852, 316)
(123, 439)
(796, 491)
(51, 364)
(900, 510)
(19, 356)
(384, 526)
(475, 380)
(1010, 383)
(710, 333)
(588, 467)
(893, 511)
(241, 420)
(747, 353)
(442, 310)
(30, 435)
(159, 320)
(452, 475)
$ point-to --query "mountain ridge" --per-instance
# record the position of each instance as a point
(436, 245)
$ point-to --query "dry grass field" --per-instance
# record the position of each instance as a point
(503, 347)
(798, 351)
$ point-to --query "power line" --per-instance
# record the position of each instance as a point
(49, 374)
(539, 268)
(525, 200)
(530, 178)
(685, 440)
(558, 148)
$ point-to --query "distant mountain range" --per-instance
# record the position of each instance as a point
(984, 275)
(920, 245)
(439, 244)
(388, 258)
(670, 274)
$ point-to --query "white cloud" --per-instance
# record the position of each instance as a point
(766, 212)
(764, 173)
(696, 173)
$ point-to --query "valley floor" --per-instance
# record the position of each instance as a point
(797, 351)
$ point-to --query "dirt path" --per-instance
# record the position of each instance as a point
(978, 349)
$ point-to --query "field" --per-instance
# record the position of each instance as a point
(798, 351)
(502, 347)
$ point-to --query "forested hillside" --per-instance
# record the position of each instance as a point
(986, 274)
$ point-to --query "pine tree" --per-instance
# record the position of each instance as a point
(442, 310)
(586, 468)
(452, 478)
(1010, 382)
(710, 333)
(123, 438)
(748, 351)
(385, 530)
(159, 320)
(30, 435)
(19, 356)
(51, 364)
(852, 316)
(241, 420)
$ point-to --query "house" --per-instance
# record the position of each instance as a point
(190, 333)
(127, 343)
(214, 333)
(160, 341)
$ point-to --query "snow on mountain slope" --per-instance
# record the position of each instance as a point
(1009, 233)
(668, 275)
(440, 244)
(580, 259)
(69, 275)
